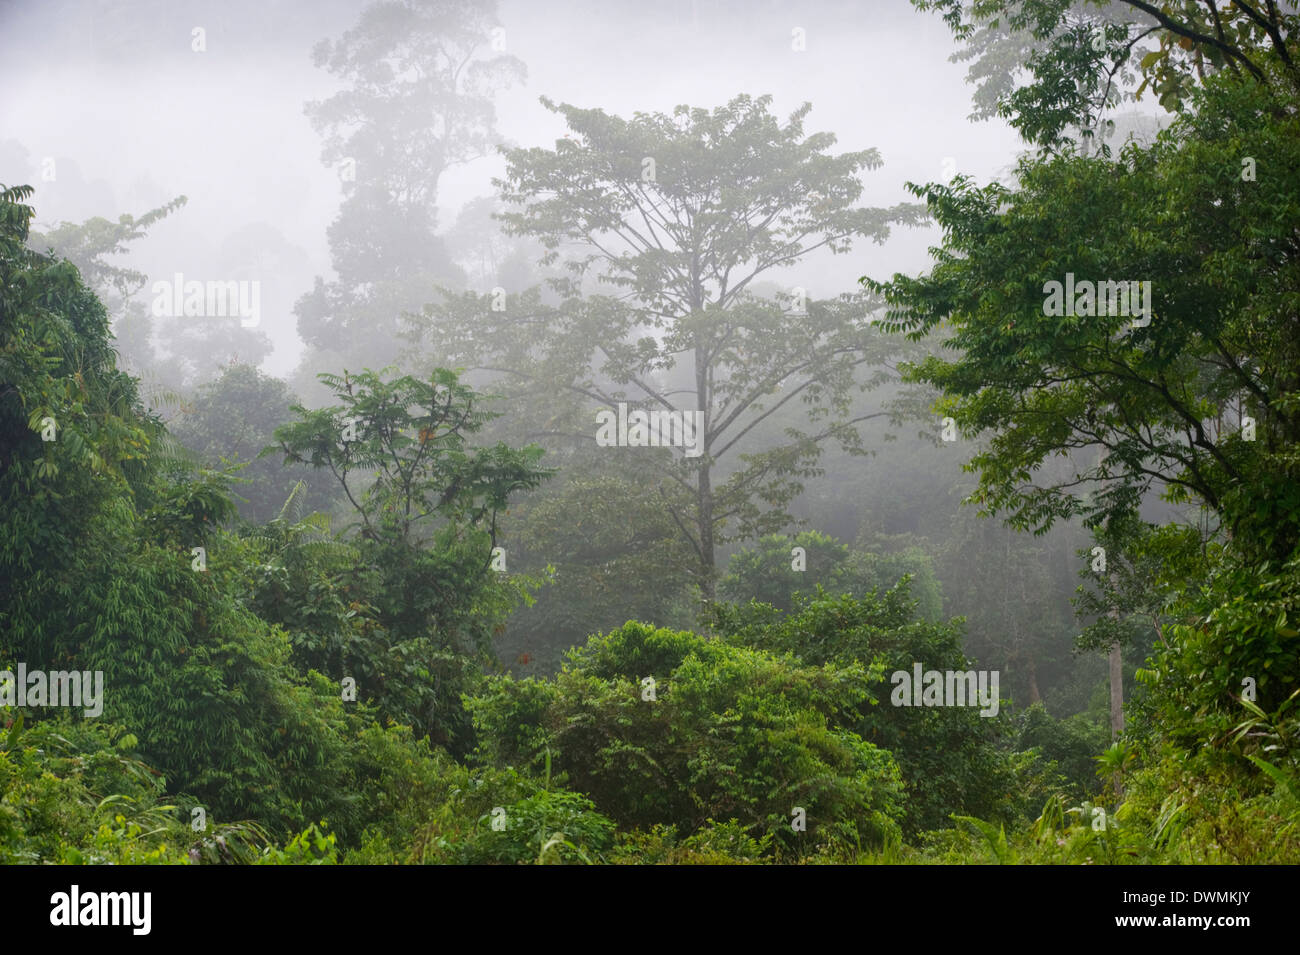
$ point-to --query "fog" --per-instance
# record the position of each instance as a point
(132, 116)
(116, 109)
(688, 432)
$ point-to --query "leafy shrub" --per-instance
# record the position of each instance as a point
(733, 733)
(73, 794)
(948, 756)
(715, 843)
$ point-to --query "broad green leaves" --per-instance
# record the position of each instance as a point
(1160, 403)
(410, 437)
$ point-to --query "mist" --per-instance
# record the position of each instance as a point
(478, 432)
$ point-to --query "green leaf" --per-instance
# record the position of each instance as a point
(14, 731)
(1277, 775)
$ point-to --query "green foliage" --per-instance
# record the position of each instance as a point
(767, 571)
(1044, 385)
(719, 740)
(315, 845)
(1224, 820)
(230, 420)
(1160, 406)
(865, 572)
(427, 532)
(1082, 57)
(73, 794)
(57, 380)
(610, 553)
(1068, 746)
(946, 755)
(715, 843)
(1237, 629)
(208, 689)
(734, 192)
(97, 571)
(996, 840)
(223, 683)
(487, 816)
(413, 436)
(545, 828)
(767, 574)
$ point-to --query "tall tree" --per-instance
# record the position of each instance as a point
(1053, 68)
(420, 76)
(674, 220)
(426, 505)
(1193, 397)
(1191, 389)
(99, 528)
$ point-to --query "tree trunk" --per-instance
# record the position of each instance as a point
(1034, 695)
(704, 398)
(1116, 692)
(705, 505)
